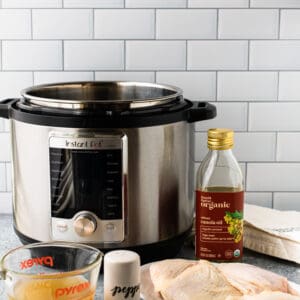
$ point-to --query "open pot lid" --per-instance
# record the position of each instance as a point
(117, 95)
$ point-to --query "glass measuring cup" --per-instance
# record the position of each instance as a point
(48, 271)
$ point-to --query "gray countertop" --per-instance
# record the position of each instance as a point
(9, 240)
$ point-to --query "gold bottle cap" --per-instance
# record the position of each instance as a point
(220, 138)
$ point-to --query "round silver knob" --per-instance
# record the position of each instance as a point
(85, 225)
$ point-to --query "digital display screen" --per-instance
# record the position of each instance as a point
(86, 180)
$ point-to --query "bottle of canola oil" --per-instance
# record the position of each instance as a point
(219, 201)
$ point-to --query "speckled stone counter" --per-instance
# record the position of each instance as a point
(9, 240)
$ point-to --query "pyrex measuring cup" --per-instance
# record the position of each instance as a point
(48, 271)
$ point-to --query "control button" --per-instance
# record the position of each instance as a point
(110, 227)
(62, 226)
(85, 225)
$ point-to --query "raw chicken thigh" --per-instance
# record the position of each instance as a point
(179, 279)
(252, 280)
(202, 281)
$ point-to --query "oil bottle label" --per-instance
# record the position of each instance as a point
(219, 225)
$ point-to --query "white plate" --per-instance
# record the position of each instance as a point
(147, 288)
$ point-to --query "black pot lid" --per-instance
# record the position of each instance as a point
(117, 95)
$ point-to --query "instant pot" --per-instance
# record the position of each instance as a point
(108, 164)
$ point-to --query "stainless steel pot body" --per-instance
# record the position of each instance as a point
(158, 190)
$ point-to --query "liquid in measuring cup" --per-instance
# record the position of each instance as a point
(68, 288)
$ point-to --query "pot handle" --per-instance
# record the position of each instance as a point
(5, 107)
(201, 111)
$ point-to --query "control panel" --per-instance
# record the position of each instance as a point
(87, 187)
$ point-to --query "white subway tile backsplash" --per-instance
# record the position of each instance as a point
(273, 177)
(124, 24)
(217, 55)
(254, 147)
(248, 24)
(274, 55)
(48, 77)
(6, 203)
(244, 145)
(5, 147)
(229, 115)
(274, 116)
(247, 146)
(8, 177)
(13, 82)
(247, 86)
(31, 3)
(94, 55)
(126, 76)
(94, 3)
(195, 85)
(289, 86)
(287, 201)
(186, 24)
(15, 24)
(261, 199)
(275, 3)
(290, 25)
(155, 3)
(218, 3)
(62, 23)
(2, 177)
(288, 145)
(243, 55)
(155, 55)
(32, 55)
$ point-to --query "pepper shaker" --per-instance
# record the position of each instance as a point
(121, 275)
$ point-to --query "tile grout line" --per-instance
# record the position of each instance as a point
(1, 55)
(186, 55)
(5, 177)
(248, 117)
(31, 24)
(93, 24)
(125, 54)
(217, 28)
(278, 73)
(279, 24)
(248, 62)
(278, 86)
(63, 55)
(155, 24)
(276, 147)
(217, 82)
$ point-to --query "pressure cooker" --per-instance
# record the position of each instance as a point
(108, 164)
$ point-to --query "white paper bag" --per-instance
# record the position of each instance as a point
(272, 232)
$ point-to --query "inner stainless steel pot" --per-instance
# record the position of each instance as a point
(81, 95)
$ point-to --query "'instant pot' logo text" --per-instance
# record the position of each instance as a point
(42, 261)
(83, 144)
